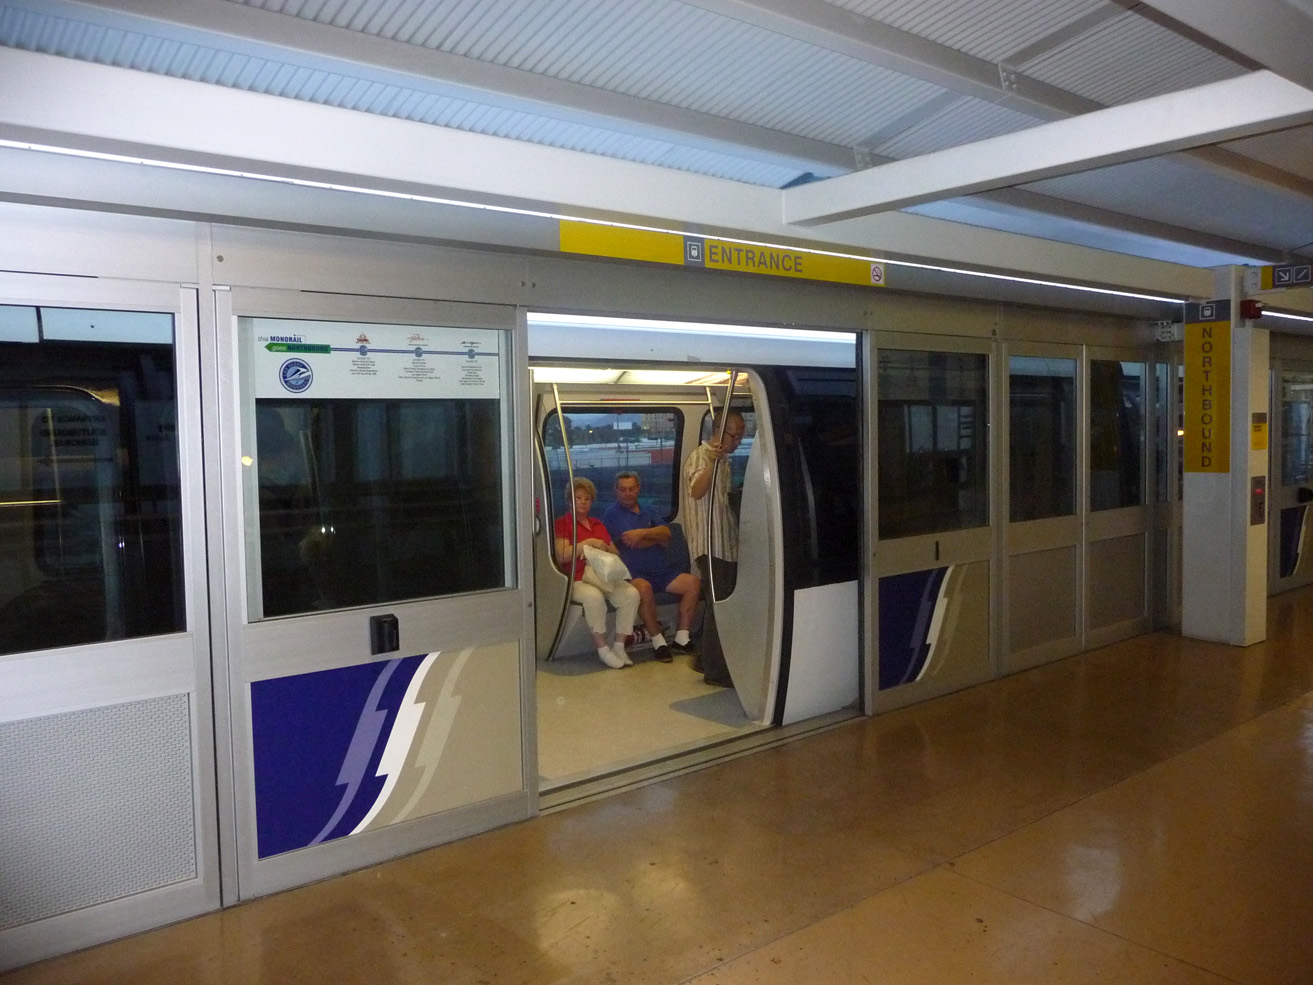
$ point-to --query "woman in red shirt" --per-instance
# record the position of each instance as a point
(589, 589)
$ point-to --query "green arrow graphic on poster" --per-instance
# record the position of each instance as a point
(297, 347)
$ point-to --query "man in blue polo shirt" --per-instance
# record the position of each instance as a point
(641, 536)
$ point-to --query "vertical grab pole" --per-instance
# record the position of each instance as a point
(715, 475)
(574, 523)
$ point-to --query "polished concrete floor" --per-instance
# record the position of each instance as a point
(1139, 814)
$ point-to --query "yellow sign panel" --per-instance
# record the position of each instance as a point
(1258, 433)
(1208, 397)
(617, 242)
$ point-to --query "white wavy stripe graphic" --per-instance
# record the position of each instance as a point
(399, 740)
(435, 736)
(936, 621)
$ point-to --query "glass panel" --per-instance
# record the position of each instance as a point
(1162, 432)
(1116, 434)
(1296, 429)
(824, 414)
(933, 441)
(1042, 437)
(90, 507)
(605, 442)
(359, 500)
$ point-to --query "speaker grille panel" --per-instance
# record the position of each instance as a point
(94, 806)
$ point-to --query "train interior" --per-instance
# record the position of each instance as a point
(595, 419)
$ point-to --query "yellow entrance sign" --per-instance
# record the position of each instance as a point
(1207, 396)
(617, 242)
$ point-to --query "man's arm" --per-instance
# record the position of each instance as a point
(647, 537)
(699, 480)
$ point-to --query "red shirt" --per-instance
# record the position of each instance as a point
(588, 527)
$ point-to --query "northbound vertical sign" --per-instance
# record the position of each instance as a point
(1207, 439)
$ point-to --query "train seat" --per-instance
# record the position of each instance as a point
(576, 639)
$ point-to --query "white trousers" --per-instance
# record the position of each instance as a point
(591, 592)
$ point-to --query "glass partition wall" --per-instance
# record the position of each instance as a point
(981, 572)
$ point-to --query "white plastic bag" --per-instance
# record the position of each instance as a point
(605, 565)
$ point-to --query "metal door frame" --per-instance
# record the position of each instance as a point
(77, 678)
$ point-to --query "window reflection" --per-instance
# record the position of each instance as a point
(1116, 434)
(1296, 428)
(1041, 437)
(90, 508)
(369, 501)
(933, 442)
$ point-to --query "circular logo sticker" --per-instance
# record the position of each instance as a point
(296, 375)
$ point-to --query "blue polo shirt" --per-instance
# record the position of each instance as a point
(649, 563)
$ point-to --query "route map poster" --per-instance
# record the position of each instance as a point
(355, 361)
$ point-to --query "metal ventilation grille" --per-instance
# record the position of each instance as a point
(1130, 58)
(94, 806)
(990, 31)
(657, 50)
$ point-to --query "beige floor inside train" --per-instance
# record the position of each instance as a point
(1142, 813)
(593, 719)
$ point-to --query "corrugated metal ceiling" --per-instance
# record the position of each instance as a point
(819, 86)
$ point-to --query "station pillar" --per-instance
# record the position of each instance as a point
(1224, 492)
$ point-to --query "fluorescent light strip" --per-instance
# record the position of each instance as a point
(1269, 313)
(690, 328)
(432, 200)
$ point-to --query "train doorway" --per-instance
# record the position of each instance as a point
(784, 611)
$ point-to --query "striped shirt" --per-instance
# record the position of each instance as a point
(695, 510)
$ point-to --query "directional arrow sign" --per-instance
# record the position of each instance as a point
(1292, 275)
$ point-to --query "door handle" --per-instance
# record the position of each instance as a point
(384, 634)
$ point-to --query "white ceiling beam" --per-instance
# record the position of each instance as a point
(1272, 33)
(296, 41)
(82, 106)
(1219, 111)
(829, 26)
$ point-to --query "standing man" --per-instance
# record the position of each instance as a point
(642, 536)
(702, 501)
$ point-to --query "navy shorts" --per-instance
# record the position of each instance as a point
(662, 581)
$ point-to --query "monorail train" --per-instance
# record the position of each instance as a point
(789, 624)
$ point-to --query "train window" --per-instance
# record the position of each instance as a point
(933, 414)
(358, 499)
(1296, 429)
(1042, 437)
(1117, 394)
(90, 508)
(604, 441)
(823, 414)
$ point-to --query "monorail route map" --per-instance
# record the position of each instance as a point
(339, 360)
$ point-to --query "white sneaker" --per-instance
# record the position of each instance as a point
(618, 648)
(609, 657)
